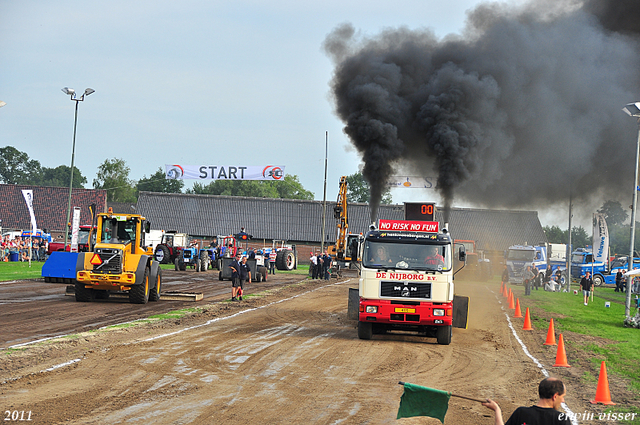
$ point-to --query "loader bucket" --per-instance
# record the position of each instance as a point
(60, 267)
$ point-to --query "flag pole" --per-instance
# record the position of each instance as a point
(456, 395)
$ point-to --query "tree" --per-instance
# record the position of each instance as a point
(17, 168)
(358, 190)
(158, 182)
(579, 236)
(113, 176)
(287, 188)
(555, 234)
(59, 177)
(614, 213)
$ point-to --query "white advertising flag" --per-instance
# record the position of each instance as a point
(75, 228)
(600, 239)
(224, 172)
(28, 197)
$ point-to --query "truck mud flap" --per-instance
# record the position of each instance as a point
(460, 311)
(353, 308)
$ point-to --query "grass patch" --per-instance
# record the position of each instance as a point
(16, 270)
(619, 347)
(176, 314)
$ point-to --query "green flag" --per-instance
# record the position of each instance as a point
(422, 401)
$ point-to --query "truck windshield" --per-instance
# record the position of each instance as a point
(521, 255)
(399, 255)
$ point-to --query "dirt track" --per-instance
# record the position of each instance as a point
(289, 356)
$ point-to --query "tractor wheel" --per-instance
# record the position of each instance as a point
(176, 263)
(258, 277)
(365, 330)
(196, 265)
(285, 260)
(443, 335)
(154, 295)
(83, 294)
(139, 294)
(162, 254)
(219, 275)
(204, 261)
(183, 266)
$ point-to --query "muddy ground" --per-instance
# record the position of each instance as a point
(286, 355)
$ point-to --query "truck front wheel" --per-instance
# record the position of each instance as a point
(598, 280)
(365, 330)
(443, 334)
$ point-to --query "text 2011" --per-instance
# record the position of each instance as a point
(17, 415)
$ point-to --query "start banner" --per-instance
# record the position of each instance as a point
(224, 172)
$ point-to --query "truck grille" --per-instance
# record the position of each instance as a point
(405, 290)
(111, 261)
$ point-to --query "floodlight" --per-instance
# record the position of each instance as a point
(68, 91)
(87, 92)
(632, 109)
(2, 103)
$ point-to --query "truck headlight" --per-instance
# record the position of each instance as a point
(372, 309)
(438, 312)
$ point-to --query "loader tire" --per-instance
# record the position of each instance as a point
(154, 295)
(139, 294)
(83, 294)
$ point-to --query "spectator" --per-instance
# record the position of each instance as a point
(272, 261)
(586, 283)
(528, 280)
(327, 264)
(313, 263)
(545, 412)
(245, 276)
(536, 276)
(235, 277)
(505, 275)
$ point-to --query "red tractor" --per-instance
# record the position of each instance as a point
(170, 247)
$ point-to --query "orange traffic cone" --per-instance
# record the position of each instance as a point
(504, 291)
(511, 306)
(561, 355)
(518, 312)
(602, 392)
(501, 288)
(551, 335)
(527, 322)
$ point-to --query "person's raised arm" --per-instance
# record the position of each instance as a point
(490, 404)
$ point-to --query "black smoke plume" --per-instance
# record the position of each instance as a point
(525, 103)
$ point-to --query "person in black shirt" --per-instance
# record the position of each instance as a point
(586, 283)
(619, 281)
(551, 392)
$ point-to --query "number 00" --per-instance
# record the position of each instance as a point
(426, 209)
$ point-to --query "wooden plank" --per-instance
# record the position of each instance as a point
(168, 296)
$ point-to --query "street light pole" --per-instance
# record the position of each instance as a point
(633, 110)
(324, 197)
(72, 94)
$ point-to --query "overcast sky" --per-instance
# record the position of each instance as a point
(191, 82)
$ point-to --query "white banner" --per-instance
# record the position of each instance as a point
(224, 172)
(75, 227)
(28, 197)
(600, 239)
(414, 182)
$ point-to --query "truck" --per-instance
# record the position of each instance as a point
(406, 281)
(478, 266)
(602, 273)
(519, 257)
(119, 261)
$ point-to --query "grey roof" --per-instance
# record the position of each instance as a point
(301, 221)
